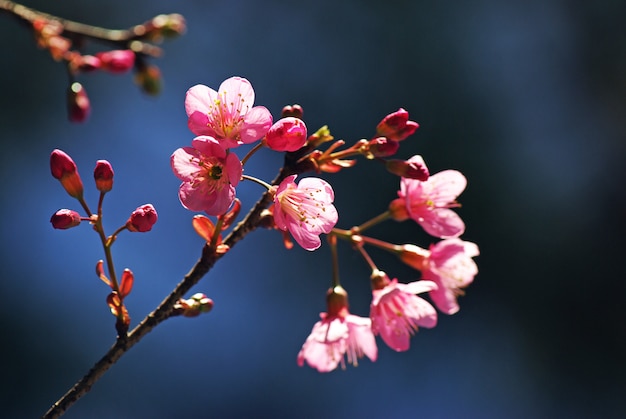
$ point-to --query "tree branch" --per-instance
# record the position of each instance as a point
(165, 309)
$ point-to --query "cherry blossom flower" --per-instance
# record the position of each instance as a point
(209, 174)
(305, 209)
(227, 115)
(429, 202)
(396, 311)
(448, 264)
(337, 335)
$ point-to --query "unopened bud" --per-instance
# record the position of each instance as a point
(396, 126)
(78, 106)
(64, 169)
(142, 219)
(103, 174)
(295, 111)
(194, 306)
(382, 147)
(117, 61)
(414, 168)
(64, 219)
(165, 26)
(85, 63)
(287, 134)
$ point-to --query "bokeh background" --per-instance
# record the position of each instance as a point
(527, 99)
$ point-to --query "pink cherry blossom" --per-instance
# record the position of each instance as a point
(209, 174)
(338, 334)
(305, 209)
(451, 267)
(227, 115)
(396, 311)
(334, 337)
(429, 202)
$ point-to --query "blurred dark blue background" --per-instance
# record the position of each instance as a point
(527, 99)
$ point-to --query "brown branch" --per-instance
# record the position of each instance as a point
(131, 38)
(165, 309)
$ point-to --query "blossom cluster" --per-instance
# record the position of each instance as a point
(210, 172)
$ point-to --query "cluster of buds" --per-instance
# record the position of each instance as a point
(62, 41)
(142, 219)
(198, 303)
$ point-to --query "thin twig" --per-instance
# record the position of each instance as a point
(165, 309)
(125, 38)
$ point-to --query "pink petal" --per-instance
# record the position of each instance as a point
(233, 168)
(199, 99)
(306, 239)
(441, 222)
(257, 121)
(235, 91)
(194, 199)
(223, 200)
(445, 300)
(198, 124)
(446, 186)
(209, 146)
(181, 165)
(326, 193)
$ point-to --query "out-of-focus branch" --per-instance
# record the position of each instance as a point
(137, 37)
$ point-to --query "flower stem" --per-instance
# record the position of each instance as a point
(116, 37)
(332, 241)
(370, 223)
(252, 151)
(259, 181)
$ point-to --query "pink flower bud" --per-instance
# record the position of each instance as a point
(86, 63)
(382, 147)
(142, 219)
(64, 169)
(78, 106)
(64, 219)
(292, 110)
(414, 168)
(396, 126)
(103, 174)
(117, 61)
(287, 134)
